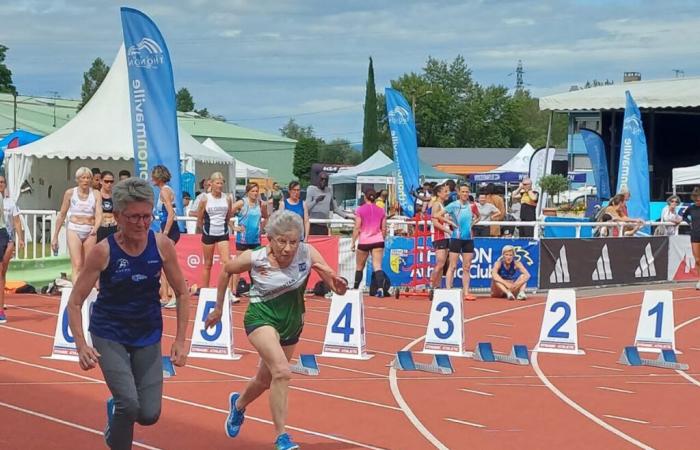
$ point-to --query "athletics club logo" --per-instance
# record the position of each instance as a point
(147, 54)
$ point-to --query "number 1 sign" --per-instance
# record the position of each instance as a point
(559, 332)
(655, 327)
(445, 333)
(345, 331)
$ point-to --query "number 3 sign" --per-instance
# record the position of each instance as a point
(445, 333)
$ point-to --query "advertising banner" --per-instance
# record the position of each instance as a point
(403, 139)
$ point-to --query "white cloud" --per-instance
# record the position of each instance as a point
(230, 33)
(518, 21)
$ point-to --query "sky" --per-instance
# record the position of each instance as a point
(260, 62)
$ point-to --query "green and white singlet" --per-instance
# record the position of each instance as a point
(277, 294)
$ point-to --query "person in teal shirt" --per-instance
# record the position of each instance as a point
(464, 214)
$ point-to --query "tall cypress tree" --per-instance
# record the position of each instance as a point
(370, 134)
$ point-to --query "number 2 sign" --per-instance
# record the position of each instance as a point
(559, 332)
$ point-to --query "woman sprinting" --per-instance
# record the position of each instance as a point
(12, 224)
(82, 211)
(250, 214)
(370, 229)
(165, 208)
(275, 317)
(692, 216)
(109, 223)
(213, 217)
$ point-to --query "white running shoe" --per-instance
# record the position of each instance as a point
(697, 285)
(522, 295)
(172, 304)
(510, 296)
(232, 298)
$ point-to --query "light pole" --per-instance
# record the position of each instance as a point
(55, 96)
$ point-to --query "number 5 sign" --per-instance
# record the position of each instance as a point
(63, 342)
(214, 342)
(445, 333)
(655, 327)
(345, 331)
(559, 333)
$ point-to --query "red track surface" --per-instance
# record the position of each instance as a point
(592, 402)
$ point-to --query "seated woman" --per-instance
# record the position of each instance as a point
(509, 276)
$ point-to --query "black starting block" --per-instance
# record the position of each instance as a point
(306, 365)
(666, 360)
(440, 364)
(519, 354)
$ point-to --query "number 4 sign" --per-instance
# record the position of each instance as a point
(655, 327)
(345, 331)
(445, 333)
(559, 332)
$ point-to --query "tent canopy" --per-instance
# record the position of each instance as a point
(350, 174)
(520, 163)
(673, 93)
(426, 170)
(243, 170)
(23, 138)
(686, 175)
(102, 129)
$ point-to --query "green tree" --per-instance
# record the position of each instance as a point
(5, 74)
(306, 152)
(293, 130)
(384, 135)
(184, 100)
(92, 79)
(531, 123)
(204, 112)
(370, 132)
(553, 185)
(338, 151)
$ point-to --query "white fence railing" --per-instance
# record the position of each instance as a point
(38, 226)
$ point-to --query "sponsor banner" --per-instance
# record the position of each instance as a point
(595, 262)
(596, 153)
(402, 126)
(398, 259)
(189, 256)
(681, 262)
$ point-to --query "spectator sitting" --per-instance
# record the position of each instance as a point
(614, 212)
(509, 276)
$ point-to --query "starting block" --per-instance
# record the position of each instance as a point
(306, 365)
(441, 363)
(519, 354)
(667, 359)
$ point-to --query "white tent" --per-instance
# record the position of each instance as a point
(350, 174)
(243, 170)
(520, 163)
(686, 175)
(100, 132)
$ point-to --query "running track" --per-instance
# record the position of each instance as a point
(561, 401)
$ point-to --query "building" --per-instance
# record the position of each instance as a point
(466, 161)
(670, 117)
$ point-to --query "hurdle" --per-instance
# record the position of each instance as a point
(306, 365)
(667, 359)
(519, 354)
(441, 363)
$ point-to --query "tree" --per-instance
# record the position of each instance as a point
(184, 100)
(293, 130)
(553, 185)
(370, 132)
(5, 74)
(204, 112)
(338, 151)
(306, 153)
(92, 79)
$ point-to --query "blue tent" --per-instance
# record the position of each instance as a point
(23, 138)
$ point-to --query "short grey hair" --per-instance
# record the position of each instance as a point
(82, 171)
(284, 221)
(131, 190)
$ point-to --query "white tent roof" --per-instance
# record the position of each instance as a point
(520, 163)
(102, 129)
(243, 170)
(350, 174)
(686, 175)
(673, 93)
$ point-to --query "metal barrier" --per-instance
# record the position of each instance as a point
(39, 226)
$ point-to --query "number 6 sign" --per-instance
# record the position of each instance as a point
(559, 332)
(345, 331)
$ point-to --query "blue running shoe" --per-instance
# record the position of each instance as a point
(110, 409)
(3, 317)
(380, 293)
(235, 417)
(284, 442)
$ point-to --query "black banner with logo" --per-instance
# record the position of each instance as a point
(604, 261)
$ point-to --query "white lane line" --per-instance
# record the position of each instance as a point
(600, 350)
(596, 336)
(608, 368)
(486, 394)
(482, 369)
(695, 349)
(563, 397)
(680, 372)
(513, 384)
(677, 383)
(203, 406)
(500, 324)
(394, 385)
(464, 422)
(606, 388)
(67, 423)
(497, 336)
(626, 419)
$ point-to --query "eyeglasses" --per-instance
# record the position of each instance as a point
(107, 181)
(136, 218)
(293, 189)
(284, 242)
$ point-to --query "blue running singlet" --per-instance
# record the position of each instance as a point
(249, 217)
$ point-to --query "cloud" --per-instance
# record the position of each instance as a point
(518, 21)
(230, 33)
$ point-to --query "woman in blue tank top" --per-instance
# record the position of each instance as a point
(296, 205)
(160, 175)
(509, 276)
(126, 323)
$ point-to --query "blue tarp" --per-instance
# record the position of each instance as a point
(24, 137)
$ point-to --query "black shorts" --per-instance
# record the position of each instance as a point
(370, 247)
(208, 239)
(461, 246)
(174, 233)
(243, 247)
(4, 241)
(695, 238)
(441, 244)
(283, 342)
(318, 229)
(105, 231)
